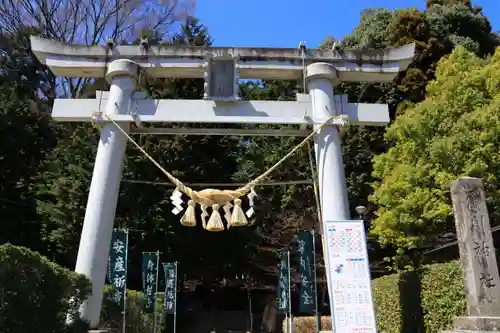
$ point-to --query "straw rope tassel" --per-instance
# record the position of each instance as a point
(189, 217)
(238, 218)
(215, 220)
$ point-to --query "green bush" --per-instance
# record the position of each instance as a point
(444, 296)
(136, 321)
(36, 295)
(308, 324)
(398, 308)
(387, 303)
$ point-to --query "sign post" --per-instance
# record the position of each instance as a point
(289, 293)
(351, 298)
(316, 307)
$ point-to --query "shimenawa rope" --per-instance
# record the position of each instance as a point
(216, 198)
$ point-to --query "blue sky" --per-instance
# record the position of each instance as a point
(283, 23)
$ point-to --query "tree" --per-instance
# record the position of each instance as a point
(460, 24)
(192, 33)
(27, 135)
(436, 31)
(448, 2)
(61, 190)
(27, 102)
(452, 133)
(90, 22)
(20, 67)
(372, 31)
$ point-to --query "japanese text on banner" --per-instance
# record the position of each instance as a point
(283, 284)
(149, 277)
(170, 298)
(117, 265)
(306, 270)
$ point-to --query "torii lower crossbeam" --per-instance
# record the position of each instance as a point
(199, 111)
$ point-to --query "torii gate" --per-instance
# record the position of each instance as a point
(222, 67)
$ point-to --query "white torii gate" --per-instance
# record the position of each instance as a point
(222, 67)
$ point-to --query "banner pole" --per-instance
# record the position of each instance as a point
(125, 291)
(316, 308)
(175, 304)
(290, 294)
(156, 290)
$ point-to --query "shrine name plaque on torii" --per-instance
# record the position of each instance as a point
(222, 68)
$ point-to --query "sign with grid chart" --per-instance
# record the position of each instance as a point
(349, 274)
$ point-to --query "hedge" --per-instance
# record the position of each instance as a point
(136, 321)
(36, 295)
(425, 300)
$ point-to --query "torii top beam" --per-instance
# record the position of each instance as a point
(253, 63)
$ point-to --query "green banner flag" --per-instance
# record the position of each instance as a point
(170, 297)
(149, 280)
(117, 264)
(283, 304)
(306, 270)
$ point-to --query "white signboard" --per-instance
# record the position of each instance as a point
(351, 300)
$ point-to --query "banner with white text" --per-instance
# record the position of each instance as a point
(283, 290)
(306, 269)
(117, 265)
(149, 280)
(170, 297)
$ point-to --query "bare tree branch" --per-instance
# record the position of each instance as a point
(91, 22)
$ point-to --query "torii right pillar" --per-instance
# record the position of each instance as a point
(321, 78)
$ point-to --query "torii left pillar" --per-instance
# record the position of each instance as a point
(97, 229)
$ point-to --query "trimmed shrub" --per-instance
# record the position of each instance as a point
(430, 297)
(136, 321)
(443, 296)
(387, 306)
(308, 324)
(36, 295)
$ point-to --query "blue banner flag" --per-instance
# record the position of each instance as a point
(149, 280)
(306, 270)
(117, 265)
